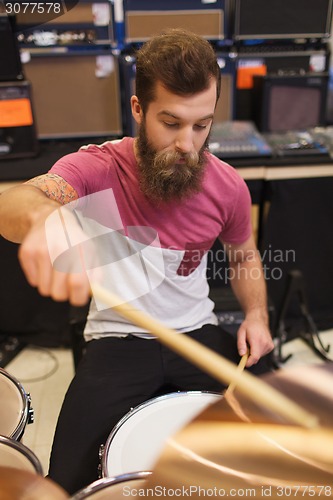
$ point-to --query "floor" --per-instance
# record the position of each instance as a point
(46, 374)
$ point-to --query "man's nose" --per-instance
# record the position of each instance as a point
(184, 141)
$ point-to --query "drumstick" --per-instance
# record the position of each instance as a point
(209, 361)
(240, 368)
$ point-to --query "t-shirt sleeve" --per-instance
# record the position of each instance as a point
(238, 228)
(83, 170)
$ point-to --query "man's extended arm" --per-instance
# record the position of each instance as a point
(248, 284)
(23, 212)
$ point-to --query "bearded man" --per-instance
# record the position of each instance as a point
(165, 180)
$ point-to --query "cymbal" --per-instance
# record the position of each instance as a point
(236, 443)
(232, 456)
(16, 484)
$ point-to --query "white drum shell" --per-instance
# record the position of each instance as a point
(138, 439)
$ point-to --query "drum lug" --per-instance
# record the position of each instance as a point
(100, 456)
(31, 414)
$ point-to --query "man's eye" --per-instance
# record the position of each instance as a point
(170, 124)
(200, 127)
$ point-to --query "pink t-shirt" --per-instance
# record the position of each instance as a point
(185, 232)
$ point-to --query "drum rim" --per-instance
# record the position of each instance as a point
(29, 454)
(17, 432)
(136, 409)
(103, 482)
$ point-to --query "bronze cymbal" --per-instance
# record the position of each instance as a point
(230, 456)
(16, 484)
(236, 443)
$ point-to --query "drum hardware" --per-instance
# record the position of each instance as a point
(295, 286)
(101, 452)
(31, 413)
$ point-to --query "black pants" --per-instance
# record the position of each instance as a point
(117, 374)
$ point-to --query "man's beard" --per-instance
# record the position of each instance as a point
(161, 178)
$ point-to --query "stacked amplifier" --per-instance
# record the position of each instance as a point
(282, 63)
(68, 54)
(17, 124)
(274, 55)
(81, 60)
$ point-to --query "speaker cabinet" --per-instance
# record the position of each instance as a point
(282, 19)
(76, 94)
(267, 61)
(10, 63)
(225, 105)
(18, 137)
(143, 18)
(290, 103)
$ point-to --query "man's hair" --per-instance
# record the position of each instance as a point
(182, 61)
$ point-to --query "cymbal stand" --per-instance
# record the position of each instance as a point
(310, 336)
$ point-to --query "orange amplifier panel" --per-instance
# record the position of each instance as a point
(18, 137)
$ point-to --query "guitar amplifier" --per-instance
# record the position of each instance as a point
(288, 60)
(76, 94)
(225, 106)
(295, 102)
(143, 18)
(83, 22)
(276, 19)
(18, 138)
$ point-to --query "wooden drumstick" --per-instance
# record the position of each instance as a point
(240, 368)
(209, 361)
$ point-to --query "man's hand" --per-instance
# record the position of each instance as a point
(254, 335)
(47, 239)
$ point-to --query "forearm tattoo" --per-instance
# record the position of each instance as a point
(55, 187)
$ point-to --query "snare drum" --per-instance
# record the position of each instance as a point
(114, 487)
(138, 439)
(15, 454)
(15, 410)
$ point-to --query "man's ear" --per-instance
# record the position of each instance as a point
(136, 109)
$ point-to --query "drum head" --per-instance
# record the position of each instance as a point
(13, 406)
(115, 487)
(15, 454)
(139, 437)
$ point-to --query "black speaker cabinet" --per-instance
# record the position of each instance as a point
(76, 94)
(144, 18)
(18, 138)
(225, 106)
(290, 103)
(282, 19)
(10, 63)
(291, 60)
